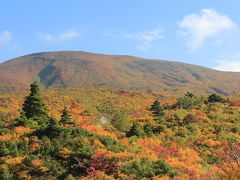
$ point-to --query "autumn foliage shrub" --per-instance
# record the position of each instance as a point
(63, 137)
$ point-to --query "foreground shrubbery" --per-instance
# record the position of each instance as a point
(192, 138)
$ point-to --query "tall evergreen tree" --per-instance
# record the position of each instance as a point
(53, 129)
(66, 117)
(33, 106)
(157, 110)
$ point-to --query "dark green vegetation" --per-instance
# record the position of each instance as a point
(33, 106)
(65, 117)
(81, 69)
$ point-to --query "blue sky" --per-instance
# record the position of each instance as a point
(199, 32)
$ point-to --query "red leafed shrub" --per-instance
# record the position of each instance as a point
(166, 152)
(101, 163)
(229, 153)
(235, 103)
(229, 158)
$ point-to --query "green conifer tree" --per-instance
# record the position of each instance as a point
(65, 117)
(53, 128)
(157, 110)
(33, 106)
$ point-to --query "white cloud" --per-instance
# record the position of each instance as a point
(199, 27)
(232, 64)
(65, 36)
(5, 37)
(145, 38)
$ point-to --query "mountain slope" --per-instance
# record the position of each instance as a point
(81, 69)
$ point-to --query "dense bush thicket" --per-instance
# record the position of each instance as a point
(192, 138)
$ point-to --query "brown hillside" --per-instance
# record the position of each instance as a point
(81, 69)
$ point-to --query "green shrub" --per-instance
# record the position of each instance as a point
(135, 130)
(188, 101)
(112, 144)
(144, 168)
(120, 121)
(4, 150)
(162, 168)
(5, 173)
(140, 168)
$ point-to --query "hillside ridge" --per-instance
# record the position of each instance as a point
(78, 69)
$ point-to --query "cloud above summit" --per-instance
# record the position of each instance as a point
(199, 27)
(5, 37)
(62, 37)
(145, 40)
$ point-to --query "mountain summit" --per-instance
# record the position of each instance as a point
(81, 69)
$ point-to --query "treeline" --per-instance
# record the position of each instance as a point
(188, 101)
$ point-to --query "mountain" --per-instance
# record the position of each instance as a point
(81, 69)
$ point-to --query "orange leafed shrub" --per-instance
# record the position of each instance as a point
(96, 142)
(124, 141)
(100, 152)
(212, 143)
(99, 175)
(5, 137)
(34, 146)
(21, 130)
(14, 161)
(187, 162)
(147, 153)
(97, 130)
(85, 140)
(161, 178)
(201, 114)
(149, 142)
(37, 162)
(121, 155)
(43, 169)
(190, 155)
